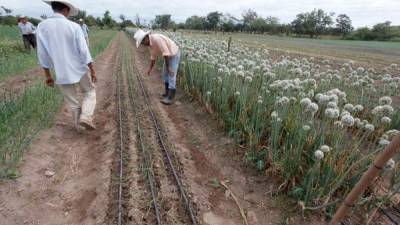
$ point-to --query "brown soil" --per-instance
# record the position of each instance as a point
(17, 83)
(78, 192)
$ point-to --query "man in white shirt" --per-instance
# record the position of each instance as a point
(85, 30)
(27, 30)
(62, 47)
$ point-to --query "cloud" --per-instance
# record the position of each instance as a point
(362, 12)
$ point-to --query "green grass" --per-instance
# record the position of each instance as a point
(14, 59)
(23, 116)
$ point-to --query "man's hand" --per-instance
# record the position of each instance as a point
(50, 82)
(93, 76)
(92, 73)
(49, 79)
(148, 73)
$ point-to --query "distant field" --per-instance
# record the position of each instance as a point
(14, 59)
(367, 53)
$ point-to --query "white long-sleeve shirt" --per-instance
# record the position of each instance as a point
(27, 28)
(61, 45)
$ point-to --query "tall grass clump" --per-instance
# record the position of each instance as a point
(21, 118)
(314, 127)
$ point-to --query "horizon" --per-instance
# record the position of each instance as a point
(362, 12)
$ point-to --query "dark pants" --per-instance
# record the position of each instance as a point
(29, 40)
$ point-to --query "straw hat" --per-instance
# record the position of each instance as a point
(73, 11)
(139, 36)
(22, 17)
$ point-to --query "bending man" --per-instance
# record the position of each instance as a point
(161, 45)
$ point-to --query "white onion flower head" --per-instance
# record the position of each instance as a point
(305, 102)
(358, 108)
(386, 100)
(348, 121)
(369, 127)
(384, 142)
(306, 128)
(390, 165)
(332, 113)
(237, 93)
(387, 110)
(208, 93)
(325, 148)
(386, 120)
(313, 108)
(349, 107)
(332, 105)
(319, 154)
(248, 79)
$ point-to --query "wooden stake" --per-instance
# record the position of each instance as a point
(236, 201)
(377, 166)
(229, 43)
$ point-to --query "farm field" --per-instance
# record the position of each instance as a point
(24, 113)
(274, 131)
(365, 53)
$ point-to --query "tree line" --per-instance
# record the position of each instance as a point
(106, 21)
(311, 24)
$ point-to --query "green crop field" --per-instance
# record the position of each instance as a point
(22, 116)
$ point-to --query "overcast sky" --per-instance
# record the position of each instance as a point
(362, 12)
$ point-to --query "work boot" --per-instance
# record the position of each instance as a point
(166, 91)
(87, 123)
(170, 98)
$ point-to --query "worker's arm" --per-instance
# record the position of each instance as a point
(49, 79)
(92, 72)
(168, 66)
(84, 53)
(152, 63)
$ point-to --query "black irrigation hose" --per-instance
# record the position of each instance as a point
(149, 169)
(390, 217)
(164, 147)
(120, 153)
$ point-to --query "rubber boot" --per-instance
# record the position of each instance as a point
(166, 90)
(170, 98)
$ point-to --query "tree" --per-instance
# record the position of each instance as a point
(228, 22)
(162, 21)
(213, 20)
(107, 20)
(272, 24)
(91, 21)
(312, 23)
(383, 31)
(343, 25)
(6, 10)
(122, 25)
(258, 25)
(100, 23)
(195, 23)
(249, 16)
(81, 15)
